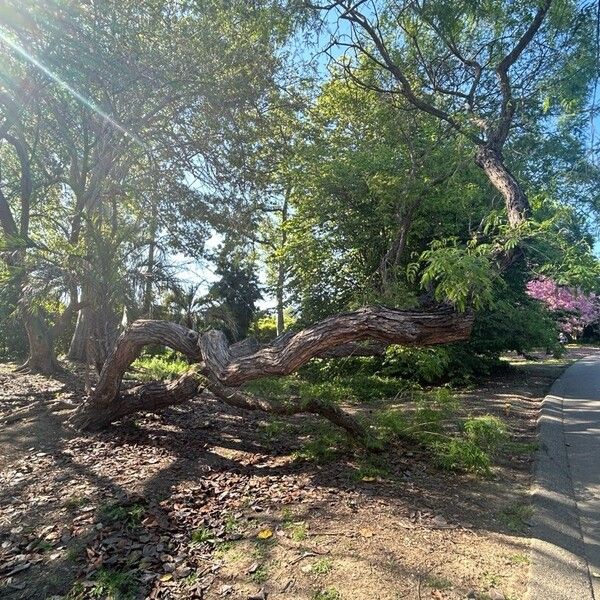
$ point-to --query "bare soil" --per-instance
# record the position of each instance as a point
(205, 501)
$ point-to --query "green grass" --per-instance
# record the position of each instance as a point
(431, 419)
(114, 585)
(322, 566)
(337, 389)
(260, 575)
(324, 443)
(129, 515)
(458, 454)
(151, 368)
(298, 530)
(521, 447)
(371, 468)
(201, 535)
(487, 432)
(272, 430)
(519, 559)
(515, 516)
(438, 583)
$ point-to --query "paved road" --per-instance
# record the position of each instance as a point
(566, 527)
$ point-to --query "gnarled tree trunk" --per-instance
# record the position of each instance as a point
(223, 368)
(517, 205)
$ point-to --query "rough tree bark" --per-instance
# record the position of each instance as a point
(517, 205)
(41, 358)
(222, 368)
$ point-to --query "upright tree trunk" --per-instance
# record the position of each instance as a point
(150, 267)
(279, 298)
(78, 347)
(281, 268)
(517, 205)
(42, 358)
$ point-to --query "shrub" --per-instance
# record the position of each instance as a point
(425, 365)
(487, 432)
(459, 454)
(167, 366)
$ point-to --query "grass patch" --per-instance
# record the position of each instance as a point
(434, 423)
(272, 430)
(151, 368)
(201, 535)
(486, 432)
(260, 575)
(371, 469)
(457, 454)
(324, 443)
(515, 516)
(438, 583)
(129, 515)
(322, 566)
(76, 501)
(519, 559)
(114, 585)
(232, 525)
(521, 447)
(298, 530)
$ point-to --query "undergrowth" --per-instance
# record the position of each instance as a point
(163, 366)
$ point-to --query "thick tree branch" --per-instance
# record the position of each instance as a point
(224, 367)
(289, 352)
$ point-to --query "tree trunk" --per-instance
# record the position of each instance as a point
(223, 367)
(148, 298)
(515, 199)
(281, 267)
(280, 307)
(79, 342)
(41, 357)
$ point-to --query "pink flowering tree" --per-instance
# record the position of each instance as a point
(573, 308)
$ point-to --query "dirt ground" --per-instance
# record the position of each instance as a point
(205, 501)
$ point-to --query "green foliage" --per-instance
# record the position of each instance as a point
(114, 585)
(264, 328)
(128, 515)
(425, 365)
(461, 274)
(372, 468)
(324, 443)
(486, 432)
(232, 299)
(322, 566)
(201, 535)
(454, 444)
(260, 575)
(457, 454)
(152, 368)
(515, 516)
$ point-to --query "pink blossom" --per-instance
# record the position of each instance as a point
(574, 308)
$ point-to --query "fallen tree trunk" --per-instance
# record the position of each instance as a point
(223, 368)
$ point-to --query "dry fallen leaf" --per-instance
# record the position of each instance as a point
(265, 534)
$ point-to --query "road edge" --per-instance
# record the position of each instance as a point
(558, 570)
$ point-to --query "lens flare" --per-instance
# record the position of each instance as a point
(81, 98)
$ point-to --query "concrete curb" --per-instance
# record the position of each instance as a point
(559, 568)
